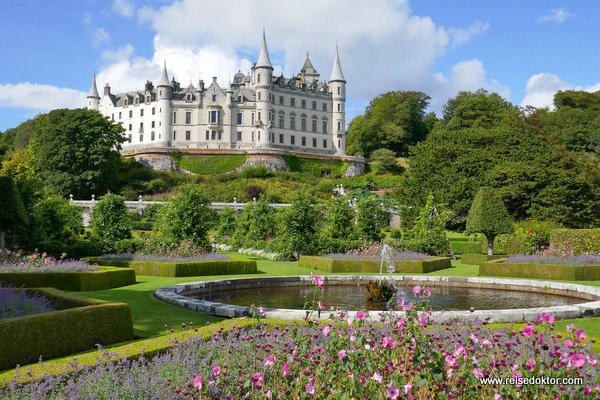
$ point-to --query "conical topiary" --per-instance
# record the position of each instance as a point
(488, 215)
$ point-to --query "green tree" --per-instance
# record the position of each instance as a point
(339, 220)
(76, 151)
(489, 216)
(110, 221)
(478, 109)
(12, 211)
(393, 120)
(228, 221)
(371, 218)
(55, 219)
(186, 217)
(384, 159)
(430, 228)
(257, 223)
(300, 224)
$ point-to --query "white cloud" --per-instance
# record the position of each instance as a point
(541, 89)
(557, 15)
(123, 8)
(40, 97)
(99, 37)
(460, 36)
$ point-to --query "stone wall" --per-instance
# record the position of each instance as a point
(159, 162)
(273, 163)
(354, 169)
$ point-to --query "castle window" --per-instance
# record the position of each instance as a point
(293, 123)
(253, 136)
(259, 116)
(339, 107)
(153, 110)
(213, 135)
(324, 143)
(240, 99)
(148, 98)
(152, 136)
(259, 136)
(324, 127)
(112, 117)
(153, 124)
(239, 136)
(214, 97)
(125, 102)
(189, 97)
(324, 106)
(252, 120)
(314, 125)
(207, 135)
(141, 138)
(339, 90)
(303, 103)
(339, 143)
(303, 124)
(175, 117)
(293, 140)
(188, 117)
(130, 113)
(280, 100)
(314, 105)
(120, 115)
(258, 78)
(129, 137)
(259, 96)
(292, 102)
(314, 142)
(188, 135)
(239, 118)
(141, 126)
(130, 127)
(219, 135)
(136, 101)
(303, 141)
(174, 135)
(280, 138)
(281, 121)
(339, 126)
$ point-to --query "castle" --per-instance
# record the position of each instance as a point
(257, 111)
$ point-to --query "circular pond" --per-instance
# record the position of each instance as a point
(354, 297)
(494, 299)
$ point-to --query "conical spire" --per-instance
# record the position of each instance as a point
(164, 80)
(336, 74)
(308, 67)
(263, 56)
(94, 90)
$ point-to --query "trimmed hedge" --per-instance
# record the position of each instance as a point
(540, 271)
(477, 259)
(25, 339)
(373, 266)
(172, 269)
(104, 278)
(462, 247)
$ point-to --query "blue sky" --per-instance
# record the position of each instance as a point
(524, 50)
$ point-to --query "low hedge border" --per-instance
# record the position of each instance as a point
(540, 271)
(462, 247)
(79, 324)
(172, 269)
(104, 278)
(373, 266)
(133, 350)
(477, 259)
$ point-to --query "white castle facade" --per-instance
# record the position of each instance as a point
(257, 111)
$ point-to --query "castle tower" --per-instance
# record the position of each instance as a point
(262, 78)
(93, 97)
(164, 108)
(337, 87)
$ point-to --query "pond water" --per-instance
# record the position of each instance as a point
(354, 297)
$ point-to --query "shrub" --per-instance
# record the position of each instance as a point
(535, 235)
(187, 217)
(128, 245)
(300, 224)
(141, 226)
(55, 248)
(13, 215)
(385, 159)
(580, 241)
(315, 166)
(462, 247)
(370, 219)
(326, 186)
(254, 192)
(430, 227)
(149, 213)
(84, 248)
(157, 185)
(254, 171)
(257, 223)
(337, 245)
(228, 220)
(110, 222)
(55, 219)
(488, 215)
(175, 269)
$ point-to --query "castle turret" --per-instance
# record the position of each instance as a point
(337, 87)
(165, 110)
(93, 97)
(262, 78)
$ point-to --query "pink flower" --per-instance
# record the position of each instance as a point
(310, 389)
(341, 354)
(216, 370)
(497, 397)
(198, 382)
(417, 289)
(471, 309)
(361, 315)
(318, 281)
(268, 394)
(326, 330)
(580, 333)
(408, 387)
(377, 378)
(400, 302)
(570, 328)
(427, 292)
(530, 364)
(270, 360)
(578, 360)
(450, 360)
(320, 304)
(400, 323)
(423, 320)
(392, 392)
(477, 372)
(408, 307)
(286, 370)
(549, 318)
(568, 344)
(528, 331)
(587, 390)
(261, 311)
(539, 319)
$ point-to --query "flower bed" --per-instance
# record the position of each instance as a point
(12, 262)
(79, 324)
(405, 255)
(165, 258)
(397, 358)
(366, 265)
(175, 269)
(16, 302)
(501, 267)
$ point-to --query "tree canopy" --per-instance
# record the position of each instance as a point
(393, 120)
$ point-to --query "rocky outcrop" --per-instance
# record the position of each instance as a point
(273, 162)
(353, 170)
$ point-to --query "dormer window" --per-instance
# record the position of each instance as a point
(125, 102)
(214, 97)
(239, 99)
(189, 97)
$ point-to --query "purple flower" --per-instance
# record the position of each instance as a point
(392, 392)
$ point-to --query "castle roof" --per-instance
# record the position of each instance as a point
(164, 80)
(263, 56)
(308, 67)
(94, 89)
(336, 74)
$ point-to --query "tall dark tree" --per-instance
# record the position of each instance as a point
(76, 151)
(394, 120)
(13, 215)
